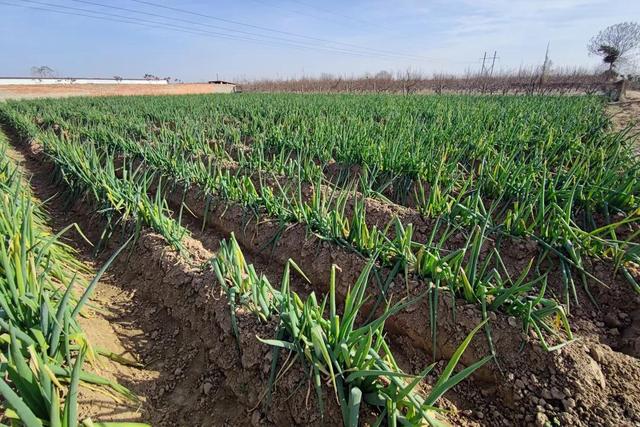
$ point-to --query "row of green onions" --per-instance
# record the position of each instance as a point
(43, 349)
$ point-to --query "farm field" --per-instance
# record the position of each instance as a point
(315, 259)
(68, 90)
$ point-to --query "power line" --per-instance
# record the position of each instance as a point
(230, 21)
(339, 15)
(359, 49)
(268, 41)
(128, 21)
(137, 22)
(155, 24)
(272, 30)
(297, 12)
(323, 17)
(280, 39)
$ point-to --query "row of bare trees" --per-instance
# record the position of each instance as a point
(522, 81)
(617, 45)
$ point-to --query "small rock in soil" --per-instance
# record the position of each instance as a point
(541, 419)
(612, 321)
(255, 418)
(206, 388)
(569, 404)
(596, 353)
(557, 394)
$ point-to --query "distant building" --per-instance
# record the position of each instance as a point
(224, 86)
(77, 81)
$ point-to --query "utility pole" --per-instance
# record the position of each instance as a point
(486, 69)
(493, 61)
(545, 65)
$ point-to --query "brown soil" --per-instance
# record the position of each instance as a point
(62, 91)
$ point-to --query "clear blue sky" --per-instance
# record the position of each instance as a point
(292, 37)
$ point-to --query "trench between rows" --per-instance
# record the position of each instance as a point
(515, 252)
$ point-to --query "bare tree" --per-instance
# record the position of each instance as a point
(616, 44)
(42, 71)
(384, 75)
